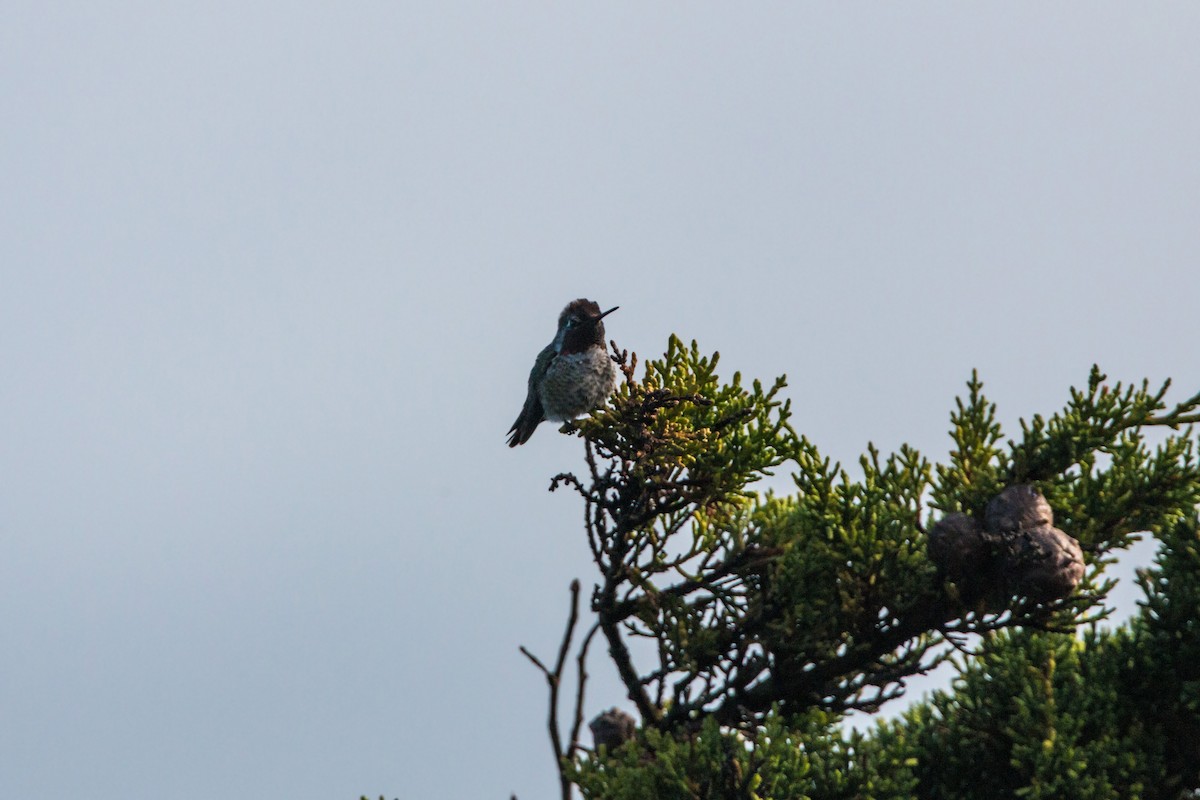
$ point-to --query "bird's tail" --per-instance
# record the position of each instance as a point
(531, 416)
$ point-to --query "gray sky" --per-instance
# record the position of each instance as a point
(274, 275)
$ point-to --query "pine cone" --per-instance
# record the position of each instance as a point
(958, 545)
(612, 729)
(1017, 508)
(1044, 563)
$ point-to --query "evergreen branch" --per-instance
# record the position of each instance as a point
(826, 600)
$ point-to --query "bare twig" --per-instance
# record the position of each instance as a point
(581, 662)
(554, 681)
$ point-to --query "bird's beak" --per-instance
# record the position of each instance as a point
(606, 313)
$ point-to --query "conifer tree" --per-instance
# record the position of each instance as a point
(763, 618)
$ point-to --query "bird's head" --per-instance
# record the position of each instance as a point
(580, 326)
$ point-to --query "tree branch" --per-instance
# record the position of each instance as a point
(554, 681)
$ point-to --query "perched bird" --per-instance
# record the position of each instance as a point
(572, 375)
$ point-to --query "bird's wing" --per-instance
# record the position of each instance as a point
(532, 413)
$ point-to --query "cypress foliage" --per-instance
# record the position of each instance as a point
(769, 616)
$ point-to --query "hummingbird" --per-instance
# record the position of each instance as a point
(572, 375)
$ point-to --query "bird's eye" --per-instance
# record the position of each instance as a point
(571, 322)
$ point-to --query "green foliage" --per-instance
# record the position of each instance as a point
(851, 577)
(1108, 714)
(770, 615)
(784, 759)
(1037, 716)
